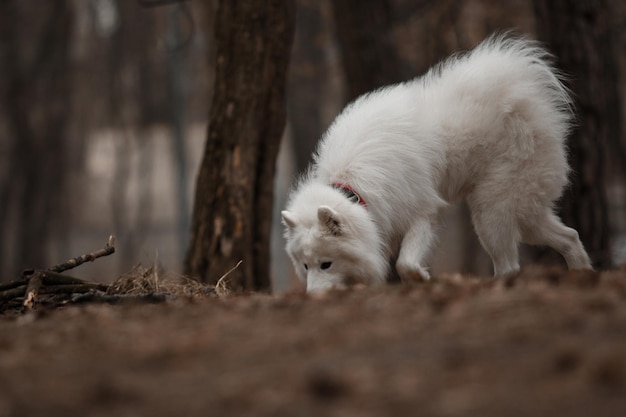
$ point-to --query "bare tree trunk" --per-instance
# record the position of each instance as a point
(129, 53)
(123, 224)
(363, 30)
(178, 111)
(34, 94)
(579, 34)
(234, 190)
(305, 80)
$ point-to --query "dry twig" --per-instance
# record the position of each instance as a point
(51, 288)
(89, 257)
(223, 286)
(37, 282)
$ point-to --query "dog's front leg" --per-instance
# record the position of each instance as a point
(415, 247)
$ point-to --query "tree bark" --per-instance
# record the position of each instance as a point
(363, 30)
(305, 80)
(35, 105)
(234, 190)
(579, 34)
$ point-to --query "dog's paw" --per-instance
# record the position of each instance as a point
(412, 273)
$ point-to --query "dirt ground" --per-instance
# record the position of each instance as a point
(546, 343)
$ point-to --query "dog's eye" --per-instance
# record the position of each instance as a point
(355, 198)
(326, 265)
(306, 267)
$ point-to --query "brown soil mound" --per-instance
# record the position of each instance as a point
(543, 343)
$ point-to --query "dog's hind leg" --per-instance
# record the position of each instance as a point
(415, 247)
(499, 234)
(548, 230)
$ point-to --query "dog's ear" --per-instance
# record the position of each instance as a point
(329, 219)
(288, 219)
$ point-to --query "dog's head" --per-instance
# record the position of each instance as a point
(332, 250)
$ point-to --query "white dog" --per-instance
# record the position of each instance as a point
(488, 127)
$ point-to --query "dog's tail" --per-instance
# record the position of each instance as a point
(535, 61)
(514, 72)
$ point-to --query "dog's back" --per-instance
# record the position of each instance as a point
(414, 146)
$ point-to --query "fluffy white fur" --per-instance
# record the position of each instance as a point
(488, 126)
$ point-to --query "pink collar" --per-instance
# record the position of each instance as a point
(350, 193)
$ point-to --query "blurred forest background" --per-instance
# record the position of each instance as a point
(104, 107)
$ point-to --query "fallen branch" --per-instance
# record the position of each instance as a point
(12, 293)
(50, 288)
(50, 282)
(32, 290)
(100, 297)
(89, 257)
